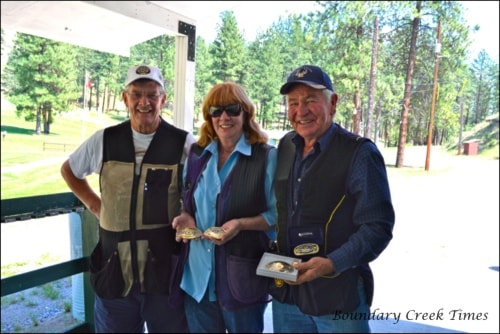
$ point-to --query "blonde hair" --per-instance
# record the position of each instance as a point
(223, 94)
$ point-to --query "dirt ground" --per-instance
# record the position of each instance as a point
(444, 256)
(440, 273)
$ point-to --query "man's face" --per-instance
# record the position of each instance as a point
(309, 111)
(144, 100)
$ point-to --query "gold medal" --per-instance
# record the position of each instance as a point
(189, 233)
(280, 266)
(215, 232)
(306, 249)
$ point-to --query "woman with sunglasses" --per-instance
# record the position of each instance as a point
(227, 185)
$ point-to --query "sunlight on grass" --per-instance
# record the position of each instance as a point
(15, 268)
(28, 170)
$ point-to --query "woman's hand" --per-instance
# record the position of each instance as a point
(182, 221)
(231, 229)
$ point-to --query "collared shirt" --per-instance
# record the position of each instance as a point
(368, 181)
(199, 272)
(301, 166)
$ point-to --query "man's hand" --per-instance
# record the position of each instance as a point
(312, 269)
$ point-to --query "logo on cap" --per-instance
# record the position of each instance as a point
(310, 75)
(302, 72)
(143, 70)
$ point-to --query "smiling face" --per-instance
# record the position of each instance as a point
(310, 111)
(228, 126)
(228, 113)
(144, 100)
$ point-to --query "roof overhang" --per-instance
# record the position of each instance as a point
(116, 26)
(108, 26)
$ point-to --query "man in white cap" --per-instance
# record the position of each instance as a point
(140, 165)
(334, 213)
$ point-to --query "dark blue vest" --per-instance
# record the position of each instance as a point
(326, 207)
(242, 195)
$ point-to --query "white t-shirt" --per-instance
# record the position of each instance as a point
(87, 158)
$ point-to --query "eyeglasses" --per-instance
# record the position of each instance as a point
(231, 110)
(140, 96)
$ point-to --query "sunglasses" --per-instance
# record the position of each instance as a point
(231, 110)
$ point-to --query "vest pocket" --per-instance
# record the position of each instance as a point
(155, 208)
(176, 298)
(156, 276)
(306, 241)
(106, 274)
(244, 283)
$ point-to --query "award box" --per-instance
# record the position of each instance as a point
(278, 266)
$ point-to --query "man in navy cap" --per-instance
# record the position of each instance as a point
(139, 163)
(334, 212)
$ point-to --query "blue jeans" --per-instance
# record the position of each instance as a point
(209, 317)
(129, 314)
(289, 319)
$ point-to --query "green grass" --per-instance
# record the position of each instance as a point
(22, 147)
(49, 290)
(487, 133)
(15, 268)
(11, 269)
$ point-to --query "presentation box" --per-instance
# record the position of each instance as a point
(278, 266)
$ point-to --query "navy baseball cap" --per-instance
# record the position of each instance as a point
(310, 75)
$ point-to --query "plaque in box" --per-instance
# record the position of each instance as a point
(278, 266)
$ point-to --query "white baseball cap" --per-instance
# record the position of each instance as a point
(144, 72)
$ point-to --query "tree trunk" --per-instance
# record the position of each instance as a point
(97, 91)
(377, 123)
(114, 101)
(430, 137)
(38, 120)
(356, 116)
(373, 78)
(45, 119)
(108, 94)
(403, 127)
(90, 98)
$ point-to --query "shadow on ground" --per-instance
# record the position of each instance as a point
(403, 326)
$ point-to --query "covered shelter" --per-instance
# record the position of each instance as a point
(115, 26)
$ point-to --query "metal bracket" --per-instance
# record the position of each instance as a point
(190, 31)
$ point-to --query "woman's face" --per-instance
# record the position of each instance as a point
(227, 121)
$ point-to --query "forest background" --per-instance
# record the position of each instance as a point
(382, 56)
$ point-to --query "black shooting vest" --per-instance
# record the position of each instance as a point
(327, 210)
(137, 210)
(242, 195)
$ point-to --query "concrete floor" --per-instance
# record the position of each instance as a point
(377, 326)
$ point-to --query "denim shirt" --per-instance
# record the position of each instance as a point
(300, 167)
(199, 271)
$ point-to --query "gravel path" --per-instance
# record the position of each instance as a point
(30, 310)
